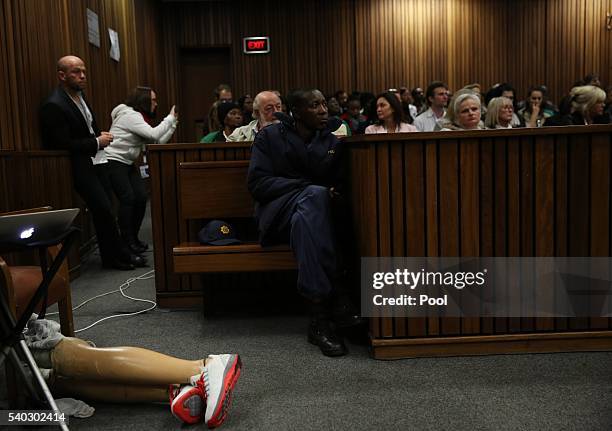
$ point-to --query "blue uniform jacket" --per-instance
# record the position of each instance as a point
(282, 165)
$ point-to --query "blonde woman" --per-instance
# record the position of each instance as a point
(464, 112)
(499, 113)
(588, 103)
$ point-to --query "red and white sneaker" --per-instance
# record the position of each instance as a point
(187, 403)
(217, 382)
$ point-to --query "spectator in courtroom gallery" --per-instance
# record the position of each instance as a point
(265, 105)
(342, 98)
(230, 118)
(536, 111)
(563, 116)
(477, 89)
(368, 106)
(499, 113)
(592, 79)
(68, 123)
(390, 116)
(505, 90)
(437, 99)
(608, 107)
(410, 111)
(334, 111)
(223, 93)
(132, 130)
(356, 121)
(588, 105)
(418, 99)
(464, 112)
(246, 106)
(295, 177)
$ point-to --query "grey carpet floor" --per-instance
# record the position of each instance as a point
(287, 384)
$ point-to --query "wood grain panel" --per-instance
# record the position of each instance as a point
(558, 42)
(415, 216)
(485, 193)
(449, 216)
(469, 216)
(600, 213)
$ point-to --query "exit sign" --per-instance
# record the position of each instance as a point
(256, 45)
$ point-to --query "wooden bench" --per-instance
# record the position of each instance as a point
(218, 190)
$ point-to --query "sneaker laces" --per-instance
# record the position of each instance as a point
(204, 382)
(173, 391)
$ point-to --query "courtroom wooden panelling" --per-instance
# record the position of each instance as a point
(373, 45)
(488, 193)
(599, 231)
(414, 218)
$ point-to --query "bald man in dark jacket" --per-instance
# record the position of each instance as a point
(294, 175)
(68, 123)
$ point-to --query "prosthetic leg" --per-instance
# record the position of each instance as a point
(75, 359)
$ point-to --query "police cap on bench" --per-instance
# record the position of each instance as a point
(218, 232)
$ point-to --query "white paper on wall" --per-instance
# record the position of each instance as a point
(115, 53)
(93, 28)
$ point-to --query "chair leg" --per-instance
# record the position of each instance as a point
(65, 315)
(16, 398)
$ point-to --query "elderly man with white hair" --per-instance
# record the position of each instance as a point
(265, 105)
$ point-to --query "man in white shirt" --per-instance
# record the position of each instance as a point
(437, 98)
(265, 105)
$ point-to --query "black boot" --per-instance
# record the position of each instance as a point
(344, 313)
(138, 260)
(143, 245)
(135, 246)
(321, 333)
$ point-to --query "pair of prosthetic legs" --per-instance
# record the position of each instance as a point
(198, 389)
(117, 374)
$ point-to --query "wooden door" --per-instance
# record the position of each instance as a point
(201, 71)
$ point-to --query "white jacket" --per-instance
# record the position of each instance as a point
(244, 133)
(131, 133)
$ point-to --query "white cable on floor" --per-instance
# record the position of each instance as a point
(122, 288)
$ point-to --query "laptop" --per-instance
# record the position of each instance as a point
(32, 228)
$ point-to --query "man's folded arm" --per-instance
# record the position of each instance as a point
(58, 134)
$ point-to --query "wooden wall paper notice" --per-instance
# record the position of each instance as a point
(115, 53)
(93, 28)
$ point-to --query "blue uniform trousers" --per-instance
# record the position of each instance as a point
(308, 222)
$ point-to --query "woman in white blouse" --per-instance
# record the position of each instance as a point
(390, 116)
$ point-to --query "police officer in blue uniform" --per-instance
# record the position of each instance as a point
(295, 176)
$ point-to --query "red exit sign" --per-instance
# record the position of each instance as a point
(256, 45)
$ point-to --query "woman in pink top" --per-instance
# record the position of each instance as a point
(390, 116)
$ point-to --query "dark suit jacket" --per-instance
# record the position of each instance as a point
(64, 128)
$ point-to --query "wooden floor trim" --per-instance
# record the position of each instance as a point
(177, 300)
(492, 344)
